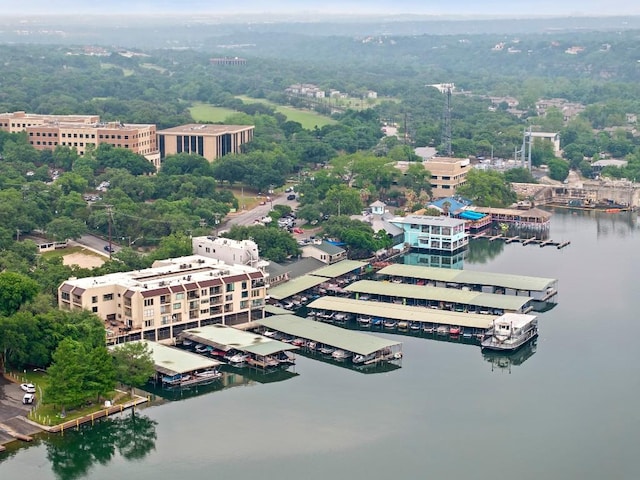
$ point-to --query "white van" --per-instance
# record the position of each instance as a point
(28, 398)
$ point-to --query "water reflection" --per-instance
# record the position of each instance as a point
(482, 250)
(455, 261)
(231, 377)
(381, 367)
(73, 454)
(502, 362)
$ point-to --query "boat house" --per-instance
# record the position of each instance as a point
(435, 234)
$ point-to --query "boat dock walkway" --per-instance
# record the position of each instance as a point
(523, 241)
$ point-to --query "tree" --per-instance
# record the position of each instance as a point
(68, 375)
(15, 290)
(487, 189)
(273, 243)
(133, 364)
(61, 229)
(519, 175)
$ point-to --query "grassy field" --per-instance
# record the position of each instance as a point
(307, 118)
(126, 71)
(202, 112)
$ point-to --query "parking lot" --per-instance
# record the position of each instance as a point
(11, 409)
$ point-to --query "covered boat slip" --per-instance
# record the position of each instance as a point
(446, 298)
(339, 269)
(227, 338)
(296, 286)
(541, 289)
(477, 322)
(173, 364)
(347, 340)
(315, 278)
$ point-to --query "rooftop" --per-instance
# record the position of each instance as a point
(293, 287)
(206, 129)
(326, 247)
(340, 268)
(517, 320)
(449, 295)
(172, 361)
(229, 338)
(469, 277)
(428, 220)
(167, 273)
(402, 312)
(356, 342)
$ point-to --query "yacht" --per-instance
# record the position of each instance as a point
(510, 331)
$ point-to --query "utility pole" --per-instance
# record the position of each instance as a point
(109, 221)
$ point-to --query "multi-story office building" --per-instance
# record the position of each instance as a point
(435, 234)
(175, 294)
(447, 174)
(208, 141)
(19, 121)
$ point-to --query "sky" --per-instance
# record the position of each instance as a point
(305, 7)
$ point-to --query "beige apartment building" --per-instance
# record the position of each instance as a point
(175, 294)
(447, 174)
(208, 141)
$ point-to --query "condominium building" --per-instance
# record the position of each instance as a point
(447, 174)
(435, 234)
(173, 295)
(208, 141)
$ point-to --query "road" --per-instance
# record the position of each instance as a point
(249, 217)
(94, 243)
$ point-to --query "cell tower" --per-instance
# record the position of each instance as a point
(447, 89)
(524, 154)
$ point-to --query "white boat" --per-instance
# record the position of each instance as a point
(390, 324)
(510, 331)
(187, 343)
(360, 359)
(442, 330)
(364, 321)
(209, 374)
(200, 348)
(268, 333)
(403, 325)
(341, 354)
(311, 345)
(238, 358)
(326, 350)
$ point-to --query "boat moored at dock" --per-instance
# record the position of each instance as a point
(510, 331)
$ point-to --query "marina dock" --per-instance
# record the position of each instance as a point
(523, 241)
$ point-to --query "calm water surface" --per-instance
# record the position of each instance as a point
(565, 409)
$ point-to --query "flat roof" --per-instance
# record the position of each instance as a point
(428, 220)
(295, 286)
(206, 129)
(273, 310)
(451, 295)
(172, 361)
(403, 312)
(340, 268)
(517, 320)
(356, 342)
(469, 277)
(227, 338)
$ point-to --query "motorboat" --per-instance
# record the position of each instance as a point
(187, 343)
(364, 321)
(510, 331)
(428, 328)
(442, 330)
(390, 324)
(209, 374)
(326, 350)
(454, 330)
(311, 345)
(415, 326)
(200, 348)
(403, 325)
(341, 354)
(268, 333)
(298, 342)
(238, 358)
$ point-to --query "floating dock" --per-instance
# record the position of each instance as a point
(518, 239)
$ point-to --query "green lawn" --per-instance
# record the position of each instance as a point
(69, 250)
(307, 118)
(202, 112)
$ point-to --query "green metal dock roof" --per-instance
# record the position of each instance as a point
(293, 287)
(449, 295)
(172, 361)
(402, 312)
(469, 277)
(273, 310)
(227, 338)
(338, 269)
(356, 342)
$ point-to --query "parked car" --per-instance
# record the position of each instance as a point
(28, 398)
(107, 248)
(28, 387)
(291, 196)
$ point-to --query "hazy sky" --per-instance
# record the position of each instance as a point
(435, 7)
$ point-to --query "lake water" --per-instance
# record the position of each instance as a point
(565, 408)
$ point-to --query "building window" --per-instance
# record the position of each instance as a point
(228, 298)
(180, 296)
(94, 299)
(107, 297)
(148, 312)
(148, 323)
(177, 306)
(65, 296)
(230, 287)
(94, 309)
(148, 302)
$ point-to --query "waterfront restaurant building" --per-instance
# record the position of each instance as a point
(208, 141)
(175, 294)
(436, 234)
